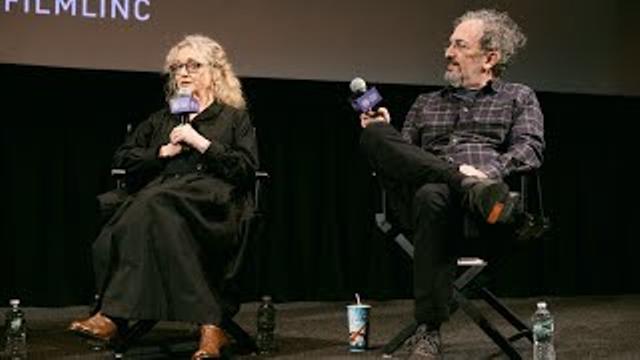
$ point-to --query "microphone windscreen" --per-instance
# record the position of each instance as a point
(358, 85)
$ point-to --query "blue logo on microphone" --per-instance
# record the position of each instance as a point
(366, 101)
(184, 105)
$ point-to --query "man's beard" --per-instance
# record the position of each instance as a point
(453, 78)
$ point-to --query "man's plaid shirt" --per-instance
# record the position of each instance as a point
(498, 131)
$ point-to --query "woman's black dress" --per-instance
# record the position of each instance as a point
(164, 253)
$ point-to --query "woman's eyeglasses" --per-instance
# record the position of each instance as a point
(191, 67)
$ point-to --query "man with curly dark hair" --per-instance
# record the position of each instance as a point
(455, 148)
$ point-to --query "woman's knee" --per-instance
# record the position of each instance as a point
(149, 198)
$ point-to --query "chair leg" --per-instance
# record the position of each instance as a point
(496, 304)
(467, 276)
(474, 313)
(133, 333)
(400, 338)
(243, 339)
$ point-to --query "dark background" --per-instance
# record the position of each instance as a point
(61, 126)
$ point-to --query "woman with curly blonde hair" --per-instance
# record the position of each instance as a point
(164, 253)
(224, 83)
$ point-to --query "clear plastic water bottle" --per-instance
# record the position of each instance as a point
(542, 324)
(15, 332)
(266, 323)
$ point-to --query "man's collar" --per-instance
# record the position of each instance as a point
(492, 86)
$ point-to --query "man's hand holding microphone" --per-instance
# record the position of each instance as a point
(365, 100)
(381, 114)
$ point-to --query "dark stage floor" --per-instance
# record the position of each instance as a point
(586, 328)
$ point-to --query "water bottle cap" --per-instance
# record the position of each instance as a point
(14, 302)
(542, 305)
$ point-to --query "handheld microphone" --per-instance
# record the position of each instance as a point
(363, 100)
(184, 104)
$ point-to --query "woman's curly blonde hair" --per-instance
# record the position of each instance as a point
(225, 83)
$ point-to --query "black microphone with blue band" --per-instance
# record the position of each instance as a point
(363, 100)
(184, 104)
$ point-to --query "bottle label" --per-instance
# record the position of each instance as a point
(543, 330)
(266, 318)
(16, 324)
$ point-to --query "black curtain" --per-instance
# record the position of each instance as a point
(61, 126)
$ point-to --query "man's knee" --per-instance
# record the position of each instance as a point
(433, 197)
(372, 135)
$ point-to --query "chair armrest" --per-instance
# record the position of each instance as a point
(262, 175)
(119, 175)
(261, 178)
(118, 172)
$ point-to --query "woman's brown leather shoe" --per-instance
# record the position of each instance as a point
(97, 327)
(212, 340)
